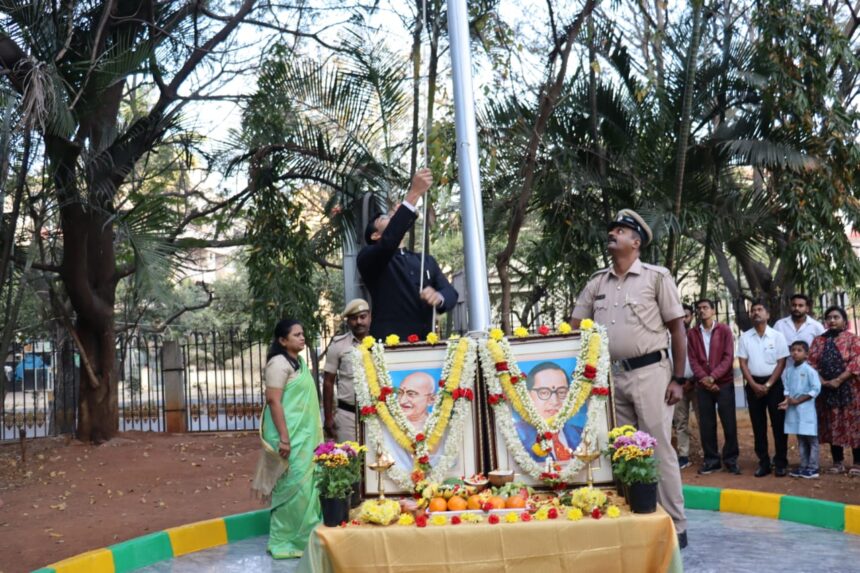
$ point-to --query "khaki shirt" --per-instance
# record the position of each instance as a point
(339, 361)
(634, 308)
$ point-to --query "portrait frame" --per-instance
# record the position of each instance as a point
(564, 350)
(400, 362)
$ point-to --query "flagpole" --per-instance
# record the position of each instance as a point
(471, 209)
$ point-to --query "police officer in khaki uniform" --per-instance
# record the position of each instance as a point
(339, 424)
(639, 305)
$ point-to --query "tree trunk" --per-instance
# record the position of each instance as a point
(91, 286)
(684, 130)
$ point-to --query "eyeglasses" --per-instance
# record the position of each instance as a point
(411, 394)
(544, 394)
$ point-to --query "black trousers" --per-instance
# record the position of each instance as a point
(838, 453)
(710, 404)
(759, 409)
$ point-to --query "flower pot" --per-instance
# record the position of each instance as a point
(643, 497)
(619, 488)
(355, 498)
(335, 510)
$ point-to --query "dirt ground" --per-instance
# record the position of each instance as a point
(70, 497)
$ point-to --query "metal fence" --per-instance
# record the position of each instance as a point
(223, 384)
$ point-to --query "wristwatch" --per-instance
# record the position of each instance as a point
(679, 380)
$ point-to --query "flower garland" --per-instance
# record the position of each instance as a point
(451, 409)
(506, 384)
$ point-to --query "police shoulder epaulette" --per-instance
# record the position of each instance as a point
(600, 272)
(338, 337)
(658, 268)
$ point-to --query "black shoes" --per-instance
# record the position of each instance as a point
(683, 462)
(764, 470)
(733, 469)
(709, 468)
(682, 539)
(780, 472)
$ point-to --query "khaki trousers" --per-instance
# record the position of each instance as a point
(681, 422)
(640, 400)
(345, 422)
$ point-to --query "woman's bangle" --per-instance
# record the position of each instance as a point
(287, 443)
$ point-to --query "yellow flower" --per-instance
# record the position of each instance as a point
(438, 520)
(454, 337)
(575, 514)
(512, 517)
(521, 332)
(565, 328)
(613, 511)
(432, 338)
(586, 324)
(471, 518)
(368, 342)
(497, 333)
(406, 519)
(392, 340)
(542, 514)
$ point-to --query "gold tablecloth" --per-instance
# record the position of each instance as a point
(630, 543)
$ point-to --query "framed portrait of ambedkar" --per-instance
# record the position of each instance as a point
(549, 401)
(416, 409)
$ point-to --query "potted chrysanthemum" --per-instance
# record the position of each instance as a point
(338, 468)
(635, 466)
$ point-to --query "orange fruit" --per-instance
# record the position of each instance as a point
(457, 503)
(474, 502)
(515, 502)
(497, 502)
(438, 504)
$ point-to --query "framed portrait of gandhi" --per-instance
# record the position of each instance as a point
(545, 365)
(426, 422)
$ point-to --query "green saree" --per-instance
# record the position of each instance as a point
(295, 499)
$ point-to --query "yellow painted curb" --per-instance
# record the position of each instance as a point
(197, 536)
(852, 519)
(750, 503)
(95, 561)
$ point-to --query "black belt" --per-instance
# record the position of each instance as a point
(645, 360)
(346, 406)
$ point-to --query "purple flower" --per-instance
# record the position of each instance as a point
(644, 440)
(622, 441)
(324, 448)
(348, 451)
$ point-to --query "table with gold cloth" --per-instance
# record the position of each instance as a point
(630, 543)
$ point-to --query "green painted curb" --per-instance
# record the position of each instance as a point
(698, 497)
(820, 513)
(245, 525)
(141, 551)
(45, 570)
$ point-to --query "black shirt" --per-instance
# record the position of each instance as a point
(393, 275)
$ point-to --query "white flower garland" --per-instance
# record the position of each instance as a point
(461, 411)
(504, 416)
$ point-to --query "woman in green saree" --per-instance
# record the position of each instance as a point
(290, 429)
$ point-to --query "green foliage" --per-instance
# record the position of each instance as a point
(280, 263)
(640, 470)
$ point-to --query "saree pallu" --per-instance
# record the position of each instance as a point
(295, 509)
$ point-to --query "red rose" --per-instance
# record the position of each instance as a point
(455, 520)
(493, 519)
(595, 513)
(419, 437)
(457, 394)
(547, 435)
(384, 392)
(525, 516)
(552, 513)
(424, 460)
(501, 366)
(469, 394)
(421, 520)
(494, 399)
(544, 330)
(412, 338)
(600, 391)
(417, 495)
(342, 524)
(355, 522)
(487, 506)
(442, 383)
(514, 378)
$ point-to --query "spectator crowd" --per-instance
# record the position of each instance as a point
(800, 377)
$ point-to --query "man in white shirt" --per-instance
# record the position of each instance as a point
(799, 325)
(762, 352)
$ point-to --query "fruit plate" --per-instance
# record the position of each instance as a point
(479, 511)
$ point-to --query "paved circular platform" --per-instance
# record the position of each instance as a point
(719, 542)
